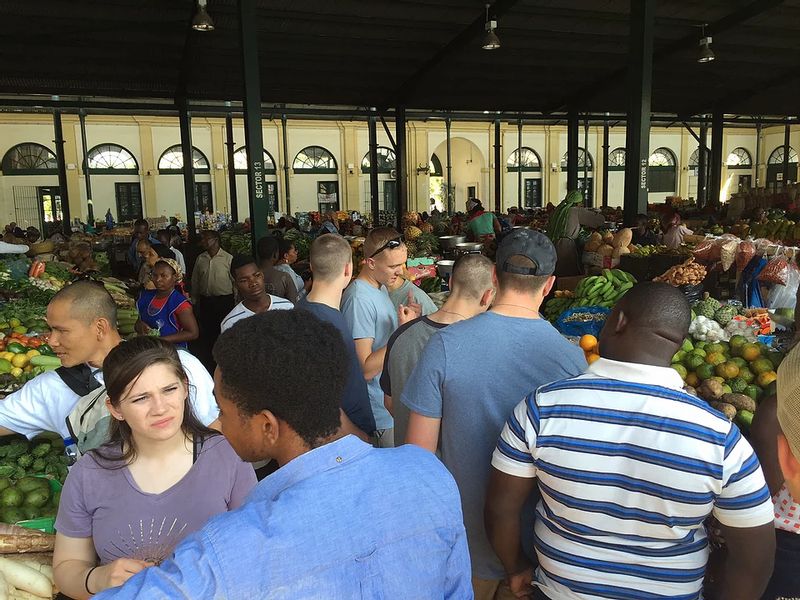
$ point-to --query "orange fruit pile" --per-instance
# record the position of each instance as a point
(590, 348)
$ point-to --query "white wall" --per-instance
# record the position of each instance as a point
(468, 168)
(303, 187)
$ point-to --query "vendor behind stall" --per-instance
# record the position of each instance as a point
(674, 230)
(480, 223)
(642, 236)
(565, 234)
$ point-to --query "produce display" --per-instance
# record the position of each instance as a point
(420, 243)
(687, 273)
(24, 578)
(23, 357)
(611, 244)
(602, 290)
(20, 458)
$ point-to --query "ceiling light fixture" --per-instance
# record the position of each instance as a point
(706, 54)
(490, 41)
(202, 21)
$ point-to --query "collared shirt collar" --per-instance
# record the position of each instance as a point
(636, 373)
(316, 461)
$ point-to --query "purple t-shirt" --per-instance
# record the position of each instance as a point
(124, 522)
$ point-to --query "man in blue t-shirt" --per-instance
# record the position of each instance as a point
(372, 317)
(332, 267)
(471, 376)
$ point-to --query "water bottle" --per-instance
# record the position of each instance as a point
(71, 450)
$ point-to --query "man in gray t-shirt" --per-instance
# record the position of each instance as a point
(472, 292)
(472, 375)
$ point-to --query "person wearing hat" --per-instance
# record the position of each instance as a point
(166, 309)
(473, 373)
(780, 418)
(481, 225)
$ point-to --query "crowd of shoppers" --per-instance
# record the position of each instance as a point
(464, 452)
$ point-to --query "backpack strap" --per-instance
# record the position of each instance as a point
(80, 379)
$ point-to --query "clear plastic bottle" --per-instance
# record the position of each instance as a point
(71, 450)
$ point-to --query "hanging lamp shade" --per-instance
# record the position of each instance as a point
(202, 21)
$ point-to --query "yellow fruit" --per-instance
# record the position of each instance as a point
(28, 368)
(693, 380)
(590, 358)
(7, 356)
(14, 322)
(750, 352)
(32, 353)
(588, 343)
(764, 379)
(16, 372)
(20, 360)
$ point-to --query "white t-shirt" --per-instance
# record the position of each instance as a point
(298, 281)
(179, 258)
(240, 311)
(45, 402)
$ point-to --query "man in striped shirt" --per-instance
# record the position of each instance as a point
(629, 467)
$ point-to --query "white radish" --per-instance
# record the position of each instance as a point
(44, 569)
(23, 595)
(26, 579)
(4, 588)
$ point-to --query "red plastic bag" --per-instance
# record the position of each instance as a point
(746, 252)
(776, 271)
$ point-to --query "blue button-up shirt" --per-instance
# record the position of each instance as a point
(342, 521)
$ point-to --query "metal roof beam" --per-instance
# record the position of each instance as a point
(468, 35)
(730, 21)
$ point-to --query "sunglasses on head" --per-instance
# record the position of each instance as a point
(390, 245)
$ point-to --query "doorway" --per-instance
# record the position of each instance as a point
(327, 196)
(129, 201)
(202, 197)
(745, 182)
(50, 207)
(533, 193)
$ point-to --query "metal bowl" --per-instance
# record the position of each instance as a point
(469, 247)
(445, 268)
(448, 242)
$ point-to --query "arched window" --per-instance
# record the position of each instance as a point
(694, 159)
(111, 158)
(524, 159)
(29, 159)
(172, 161)
(739, 158)
(240, 161)
(662, 171)
(387, 161)
(584, 160)
(776, 158)
(616, 160)
(435, 167)
(314, 159)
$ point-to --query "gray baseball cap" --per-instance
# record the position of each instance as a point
(531, 244)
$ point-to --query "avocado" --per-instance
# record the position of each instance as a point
(11, 515)
(37, 498)
(11, 497)
(28, 484)
(30, 512)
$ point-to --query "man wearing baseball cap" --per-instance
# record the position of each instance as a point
(473, 373)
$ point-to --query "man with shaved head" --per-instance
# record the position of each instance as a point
(83, 323)
(629, 467)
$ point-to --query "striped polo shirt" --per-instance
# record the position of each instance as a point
(629, 467)
(240, 311)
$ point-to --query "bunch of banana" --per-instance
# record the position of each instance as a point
(126, 319)
(603, 290)
(555, 306)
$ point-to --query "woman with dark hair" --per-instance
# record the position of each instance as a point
(149, 253)
(481, 225)
(158, 478)
(166, 309)
(287, 256)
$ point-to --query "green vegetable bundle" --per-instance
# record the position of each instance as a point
(558, 220)
(20, 458)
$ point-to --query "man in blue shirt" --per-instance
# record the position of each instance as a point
(320, 526)
(332, 265)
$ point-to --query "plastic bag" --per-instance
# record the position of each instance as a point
(707, 251)
(776, 271)
(785, 295)
(586, 320)
(745, 253)
(727, 254)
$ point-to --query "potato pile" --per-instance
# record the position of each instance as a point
(688, 273)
